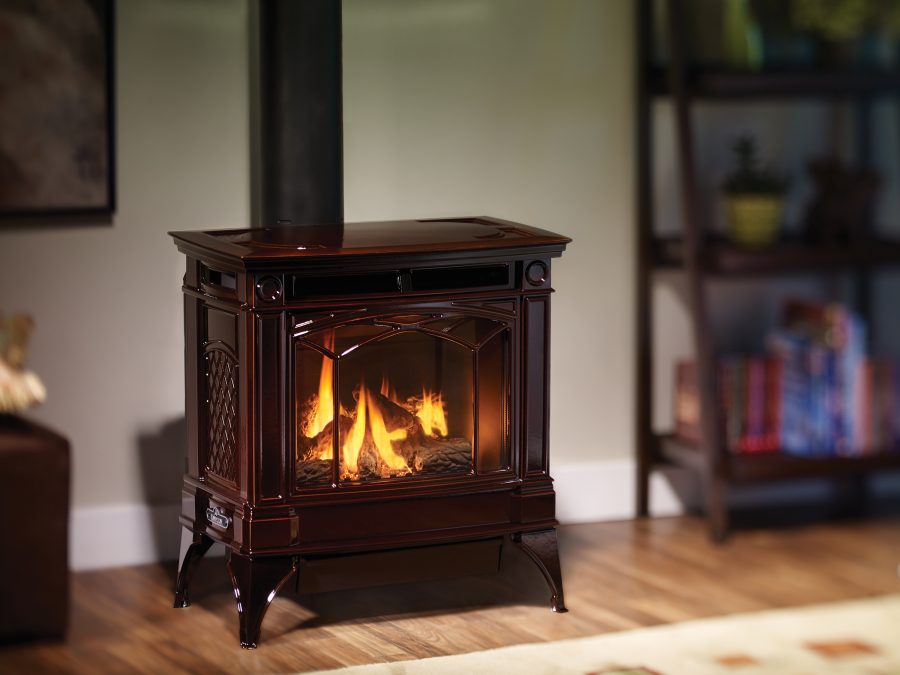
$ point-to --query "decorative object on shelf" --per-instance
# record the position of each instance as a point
(56, 108)
(19, 388)
(704, 26)
(742, 41)
(852, 33)
(755, 198)
(783, 46)
(843, 199)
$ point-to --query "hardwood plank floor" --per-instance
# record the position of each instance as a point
(617, 575)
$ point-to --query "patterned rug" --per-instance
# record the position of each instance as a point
(861, 637)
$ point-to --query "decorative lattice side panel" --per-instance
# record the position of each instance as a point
(221, 415)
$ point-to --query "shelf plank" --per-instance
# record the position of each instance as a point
(774, 466)
(753, 468)
(724, 84)
(724, 259)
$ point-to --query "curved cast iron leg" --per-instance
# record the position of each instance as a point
(256, 581)
(541, 547)
(194, 552)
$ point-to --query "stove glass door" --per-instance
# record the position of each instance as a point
(413, 395)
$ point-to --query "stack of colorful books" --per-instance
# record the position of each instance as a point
(815, 393)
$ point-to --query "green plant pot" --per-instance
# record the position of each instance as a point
(754, 220)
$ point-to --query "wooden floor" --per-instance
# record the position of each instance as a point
(617, 576)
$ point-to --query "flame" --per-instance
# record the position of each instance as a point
(323, 413)
(383, 438)
(387, 390)
(431, 413)
(368, 432)
(369, 419)
(356, 436)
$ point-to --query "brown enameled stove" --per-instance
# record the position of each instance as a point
(366, 403)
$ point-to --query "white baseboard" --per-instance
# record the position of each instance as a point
(137, 534)
(126, 534)
(605, 490)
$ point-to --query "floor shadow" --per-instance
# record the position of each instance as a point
(685, 485)
(818, 513)
(517, 582)
(791, 504)
(162, 460)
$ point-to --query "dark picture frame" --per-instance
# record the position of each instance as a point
(57, 110)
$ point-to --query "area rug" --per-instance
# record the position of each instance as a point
(859, 637)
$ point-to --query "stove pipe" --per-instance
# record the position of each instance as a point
(297, 119)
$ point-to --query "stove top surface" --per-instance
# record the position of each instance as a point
(396, 236)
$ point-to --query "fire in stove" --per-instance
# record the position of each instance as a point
(382, 434)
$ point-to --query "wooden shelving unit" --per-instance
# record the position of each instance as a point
(770, 466)
(712, 84)
(704, 260)
(721, 258)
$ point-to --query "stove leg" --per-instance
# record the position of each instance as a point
(256, 581)
(195, 551)
(541, 547)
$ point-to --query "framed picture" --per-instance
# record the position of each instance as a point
(56, 108)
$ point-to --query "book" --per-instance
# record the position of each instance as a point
(687, 402)
(791, 350)
(748, 389)
(835, 347)
(814, 393)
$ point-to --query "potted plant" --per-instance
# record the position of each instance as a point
(853, 33)
(754, 198)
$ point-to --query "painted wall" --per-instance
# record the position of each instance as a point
(520, 109)
(105, 297)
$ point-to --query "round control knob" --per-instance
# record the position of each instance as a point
(268, 289)
(536, 273)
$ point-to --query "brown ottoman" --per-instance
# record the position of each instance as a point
(34, 531)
